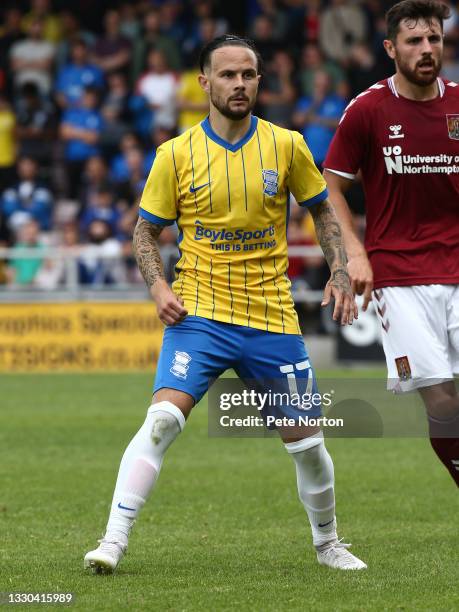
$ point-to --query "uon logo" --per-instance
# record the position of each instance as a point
(393, 159)
(180, 364)
(395, 129)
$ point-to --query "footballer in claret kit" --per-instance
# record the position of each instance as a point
(226, 183)
(402, 134)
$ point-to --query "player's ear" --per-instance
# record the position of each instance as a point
(204, 82)
(390, 48)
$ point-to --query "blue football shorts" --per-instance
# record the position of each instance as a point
(197, 351)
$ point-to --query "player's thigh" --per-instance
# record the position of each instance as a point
(193, 353)
(441, 400)
(414, 335)
(278, 365)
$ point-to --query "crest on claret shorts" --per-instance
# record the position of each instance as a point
(453, 126)
(270, 182)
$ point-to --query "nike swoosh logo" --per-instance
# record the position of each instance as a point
(194, 189)
(125, 508)
(325, 524)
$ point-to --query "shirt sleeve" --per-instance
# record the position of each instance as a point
(305, 181)
(347, 149)
(161, 193)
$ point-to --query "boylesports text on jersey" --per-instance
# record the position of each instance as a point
(399, 163)
(237, 240)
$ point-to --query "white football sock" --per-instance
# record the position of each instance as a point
(140, 467)
(315, 480)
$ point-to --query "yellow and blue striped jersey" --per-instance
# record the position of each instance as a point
(231, 204)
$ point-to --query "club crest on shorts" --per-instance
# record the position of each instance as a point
(403, 367)
(180, 364)
(270, 182)
(453, 126)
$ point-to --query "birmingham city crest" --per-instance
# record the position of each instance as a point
(180, 364)
(270, 182)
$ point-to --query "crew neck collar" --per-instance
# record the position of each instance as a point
(393, 88)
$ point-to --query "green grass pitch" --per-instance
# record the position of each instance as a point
(224, 529)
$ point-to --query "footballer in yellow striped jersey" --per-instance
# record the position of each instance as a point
(230, 201)
(226, 183)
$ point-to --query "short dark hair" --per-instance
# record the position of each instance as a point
(227, 40)
(414, 10)
(104, 188)
(78, 41)
(30, 90)
(91, 89)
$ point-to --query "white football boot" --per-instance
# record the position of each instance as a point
(335, 554)
(105, 558)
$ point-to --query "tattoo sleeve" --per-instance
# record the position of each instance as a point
(330, 238)
(146, 250)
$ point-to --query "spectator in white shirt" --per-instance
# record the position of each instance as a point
(32, 59)
(158, 86)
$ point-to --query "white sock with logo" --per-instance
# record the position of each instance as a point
(315, 480)
(140, 467)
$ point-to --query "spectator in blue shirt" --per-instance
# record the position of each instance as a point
(159, 136)
(318, 116)
(81, 129)
(95, 174)
(130, 190)
(29, 195)
(101, 207)
(71, 29)
(119, 169)
(76, 76)
(100, 261)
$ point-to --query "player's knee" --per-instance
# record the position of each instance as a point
(297, 447)
(164, 422)
(441, 401)
(443, 406)
(314, 467)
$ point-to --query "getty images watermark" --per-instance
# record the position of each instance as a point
(271, 406)
(260, 408)
(343, 407)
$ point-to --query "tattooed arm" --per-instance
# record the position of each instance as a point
(146, 250)
(331, 240)
(358, 267)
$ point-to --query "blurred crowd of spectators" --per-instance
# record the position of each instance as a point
(84, 106)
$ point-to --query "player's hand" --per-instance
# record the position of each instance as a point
(339, 287)
(361, 275)
(169, 306)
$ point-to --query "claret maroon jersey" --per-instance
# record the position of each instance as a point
(408, 153)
